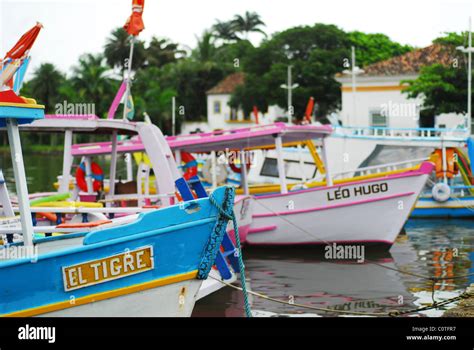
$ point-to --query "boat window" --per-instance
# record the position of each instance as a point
(217, 107)
(377, 118)
(293, 169)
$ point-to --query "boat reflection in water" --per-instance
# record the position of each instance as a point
(430, 248)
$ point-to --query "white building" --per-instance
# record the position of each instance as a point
(379, 100)
(221, 116)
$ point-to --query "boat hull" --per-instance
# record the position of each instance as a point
(366, 212)
(243, 214)
(153, 266)
(180, 299)
(453, 208)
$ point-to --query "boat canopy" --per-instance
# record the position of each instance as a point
(88, 124)
(252, 137)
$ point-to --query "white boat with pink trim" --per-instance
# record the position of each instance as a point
(371, 211)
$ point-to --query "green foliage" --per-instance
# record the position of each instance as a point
(453, 39)
(444, 89)
(250, 22)
(117, 50)
(163, 70)
(316, 54)
(90, 83)
(371, 48)
(46, 86)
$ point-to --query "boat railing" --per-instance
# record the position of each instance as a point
(402, 133)
(377, 169)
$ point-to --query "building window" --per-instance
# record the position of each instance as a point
(233, 114)
(217, 107)
(377, 118)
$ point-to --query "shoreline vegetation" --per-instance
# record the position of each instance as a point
(41, 149)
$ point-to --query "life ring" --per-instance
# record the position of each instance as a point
(441, 192)
(190, 165)
(97, 175)
(238, 170)
(220, 171)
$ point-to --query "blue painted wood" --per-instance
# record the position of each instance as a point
(198, 187)
(184, 190)
(178, 247)
(22, 114)
(222, 267)
(230, 247)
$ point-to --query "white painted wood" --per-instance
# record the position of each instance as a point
(281, 165)
(165, 301)
(113, 164)
(244, 182)
(67, 162)
(89, 181)
(20, 181)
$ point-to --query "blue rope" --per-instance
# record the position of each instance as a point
(232, 217)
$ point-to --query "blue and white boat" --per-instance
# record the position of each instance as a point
(151, 264)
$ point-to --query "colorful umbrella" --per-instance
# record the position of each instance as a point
(23, 46)
(134, 23)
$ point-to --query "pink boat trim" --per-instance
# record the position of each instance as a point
(243, 134)
(241, 197)
(335, 206)
(323, 243)
(262, 229)
(243, 232)
(423, 170)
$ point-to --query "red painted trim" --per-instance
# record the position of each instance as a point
(335, 206)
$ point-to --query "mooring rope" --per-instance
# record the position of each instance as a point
(232, 217)
(464, 295)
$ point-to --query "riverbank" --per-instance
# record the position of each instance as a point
(465, 308)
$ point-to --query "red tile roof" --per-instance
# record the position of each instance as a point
(411, 62)
(228, 84)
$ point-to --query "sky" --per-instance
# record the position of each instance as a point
(74, 27)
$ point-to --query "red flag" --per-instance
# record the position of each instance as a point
(255, 113)
(23, 46)
(134, 23)
(309, 110)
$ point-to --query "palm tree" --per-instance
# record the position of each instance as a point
(162, 51)
(205, 49)
(117, 50)
(45, 85)
(250, 22)
(224, 31)
(91, 82)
